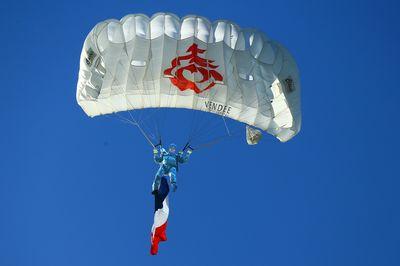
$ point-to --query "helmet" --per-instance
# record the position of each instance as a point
(172, 148)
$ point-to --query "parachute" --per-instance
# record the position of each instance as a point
(167, 62)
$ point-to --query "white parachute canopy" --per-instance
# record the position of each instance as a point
(163, 61)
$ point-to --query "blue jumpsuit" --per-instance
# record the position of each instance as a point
(168, 163)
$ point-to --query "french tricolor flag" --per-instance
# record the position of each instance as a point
(161, 211)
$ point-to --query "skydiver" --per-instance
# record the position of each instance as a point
(168, 161)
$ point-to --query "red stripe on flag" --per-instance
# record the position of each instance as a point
(158, 236)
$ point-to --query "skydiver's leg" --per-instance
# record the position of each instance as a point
(172, 178)
(172, 175)
(157, 179)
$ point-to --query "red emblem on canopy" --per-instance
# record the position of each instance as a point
(193, 63)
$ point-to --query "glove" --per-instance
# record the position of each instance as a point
(155, 151)
(174, 187)
(189, 151)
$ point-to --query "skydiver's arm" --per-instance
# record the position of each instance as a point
(158, 155)
(183, 157)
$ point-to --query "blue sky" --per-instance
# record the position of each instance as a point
(75, 190)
